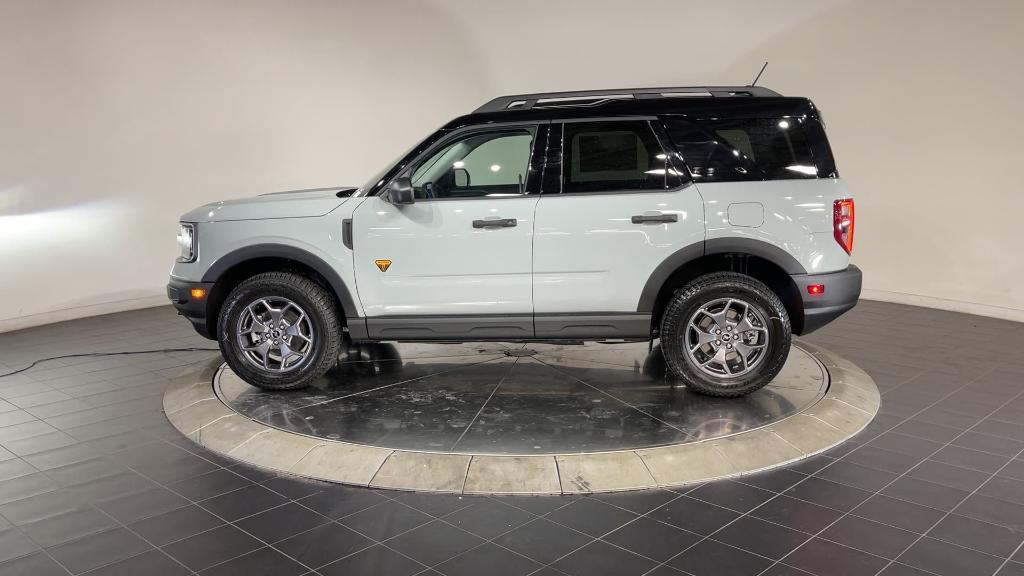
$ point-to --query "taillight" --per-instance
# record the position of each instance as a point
(842, 223)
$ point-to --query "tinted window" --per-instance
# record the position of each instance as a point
(752, 148)
(493, 164)
(614, 156)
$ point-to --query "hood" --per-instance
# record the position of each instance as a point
(290, 204)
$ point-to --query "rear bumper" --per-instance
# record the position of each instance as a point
(180, 294)
(842, 289)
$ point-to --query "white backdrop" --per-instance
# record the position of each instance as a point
(116, 117)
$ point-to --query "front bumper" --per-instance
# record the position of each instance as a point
(842, 289)
(180, 294)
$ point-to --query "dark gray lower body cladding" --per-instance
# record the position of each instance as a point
(506, 327)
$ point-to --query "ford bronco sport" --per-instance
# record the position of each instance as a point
(710, 218)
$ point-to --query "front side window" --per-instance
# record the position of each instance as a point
(615, 156)
(479, 164)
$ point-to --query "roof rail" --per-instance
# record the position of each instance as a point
(597, 97)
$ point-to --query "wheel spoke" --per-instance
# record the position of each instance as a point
(293, 330)
(722, 317)
(702, 339)
(739, 323)
(282, 346)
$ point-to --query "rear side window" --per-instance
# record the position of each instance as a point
(727, 150)
(618, 156)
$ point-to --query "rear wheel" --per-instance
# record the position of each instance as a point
(279, 331)
(725, 334)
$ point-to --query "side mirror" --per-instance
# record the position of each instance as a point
(461, 177)
(400, 191)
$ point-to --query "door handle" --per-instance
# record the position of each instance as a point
(495, 223)
(642, 218)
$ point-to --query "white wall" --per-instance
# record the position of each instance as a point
(115, 117)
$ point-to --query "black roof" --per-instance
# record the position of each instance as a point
(695, 101)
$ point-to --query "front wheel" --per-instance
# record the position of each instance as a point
(725, 334)
(279, 331)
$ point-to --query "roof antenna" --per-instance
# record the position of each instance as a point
(758, 77)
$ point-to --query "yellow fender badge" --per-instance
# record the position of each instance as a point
(383, 264)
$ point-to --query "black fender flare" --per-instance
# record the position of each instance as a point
(232, 259)
(687, 254)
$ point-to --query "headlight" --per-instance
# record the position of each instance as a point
(187, 242)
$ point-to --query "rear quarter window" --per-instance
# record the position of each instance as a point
(728, 150)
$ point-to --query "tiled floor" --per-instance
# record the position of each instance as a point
(94, 480)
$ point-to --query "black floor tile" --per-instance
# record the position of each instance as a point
(982, 536)
(68, 526)
(761, 538)
(992, 510)
(948, 475)
(991, 444)
(294, 488)
(869, 536)
(37, 564)
(905, 515)
(949, 560)
(1003, 488)
(437, 505)
(263, 562)
(539, 505)
(323, 545)
(880, 459)
(211, 548)
(797, 514)
(973, 459)
(603, 559)
(13, 543)
(828, 493)
(710, 558)
(282, 522)
(909, 445)
(1011, 569)
(823, 557)
(653, 539)
(175, 525)
(488, 559)
(925, 493)
(132, 507)
(98, 550)
(373, 561)
(543, 540)
(857, 476)
(152, 563)
(732, 495)
(434, 543)
(694, 515)
(896, 569)
(591, 516)
(244, 502)
(339, 503)
(639, 502)
(927, 430)
(488, 518)
(778, 480)
(209, 485)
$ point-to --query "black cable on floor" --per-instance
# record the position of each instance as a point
(89, 354)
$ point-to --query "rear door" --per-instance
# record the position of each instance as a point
(457, 262)
(614, 208)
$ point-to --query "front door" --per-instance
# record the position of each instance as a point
(614, 211)
(457, 262)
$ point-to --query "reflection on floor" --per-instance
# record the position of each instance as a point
(93, 478)
(520, 399)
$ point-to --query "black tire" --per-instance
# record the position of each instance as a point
(318, 306)
(686, 301)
